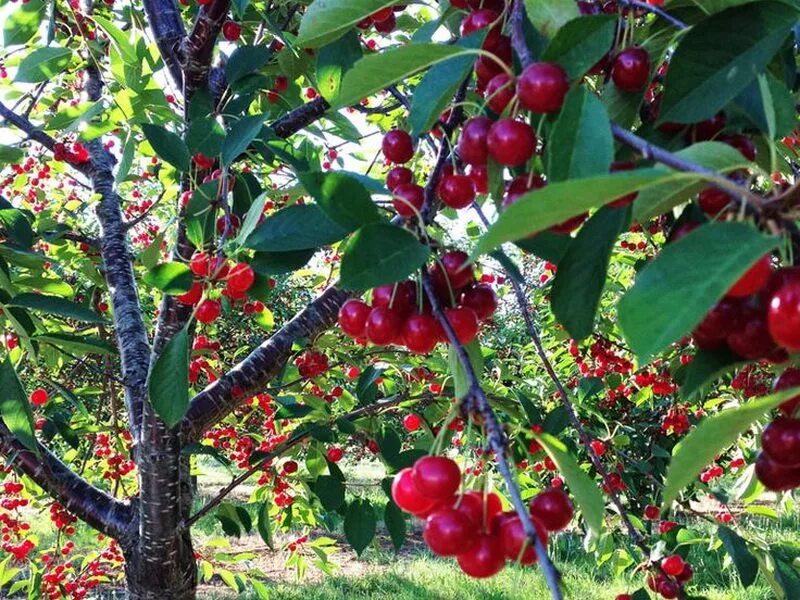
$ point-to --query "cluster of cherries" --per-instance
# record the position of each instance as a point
(778, 464)
(311, 364)
(74, 154)
(395, 317)
(238, 279)
(383, 20)
(472, 526)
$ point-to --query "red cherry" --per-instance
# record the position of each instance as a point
(514, 538)
(552, 508)
(480, 177)
(713, 330)
(39, 397)
(669, 589)
(231, 30)
(406, 495)
(436, 477)
(686, 574)
(789, 379)
(232, 221)
(398, 176)
(472, 143)
(412, 422)
(336, 454)
(708, 129)
(353, 317)
(631, 69)
(473, 504)
(290, 467)
(208, 311)
(713, 201)
(200, 264)
(479, 20)
(241, 277)
(193, 295)
(500, 92)
(383, 325)
(521, 185)
(754, 279)
(511, 142)
(651, 512)
(774, 476)
(382, 14)
(400, 296)
(673, 565)
(453, 268)
(569, 225)
(398, 146)
(542, 87)
(480, 298)
(742, 143)
(750, 336)
(421, 333)
(457, 191)
(783, 315)
(464, 322)
(408, 199)
(387, 25)
(781, 442)
(448, 532)
(598, 447)
(486, 558)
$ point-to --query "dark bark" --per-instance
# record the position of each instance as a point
(197, 49)
(168, 30)
(300, 117)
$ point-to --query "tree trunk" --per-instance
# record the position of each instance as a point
(150, 580)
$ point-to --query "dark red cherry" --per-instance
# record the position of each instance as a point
(464, 322)
(400, 296)
(398, 176)
(457, 191)
(480, 177)
(500, 92)
(421, 333)
(436, 477)
(542, 87)
(742, 143)
(353, 317)
(754, 279)
(479, 510)
(472, 148)
(781, 442)
(455, 265)
(387, 25)
(511, 142)
(787, 380)
(552, 508)
(783, 315)
(486, 558)
(520, 185)
(383, 325)
(713, 330)
(713, 201)
(480, 298)
(397, 146)
(750, 336)
(449, 532)
(774, 476)
(406, 495)
(481, 19)
(631, 69)
(708, 129)
(514, 539)
(408, 199)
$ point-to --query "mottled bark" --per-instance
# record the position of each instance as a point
(300, 117)
(168, 30)
(197, 49)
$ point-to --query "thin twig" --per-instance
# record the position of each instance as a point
(656, 10)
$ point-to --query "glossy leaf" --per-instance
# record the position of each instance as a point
(169, 380)
(343, 198)
(246, 60)
(460, 381)
(736, 546)
(581, 43)
(239, 137)
(297, 227)
(548, 17)
(264, 526)
(15, 410)
(330, 491)
(21, 25)
(327, 20)
(168, 146)
(43, 64)
(395, 522)
(55, 305)
(170, 278)
(277, 263)
(359, 524)
(333, 61)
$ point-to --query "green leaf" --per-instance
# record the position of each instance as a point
(43, 64)
(550, 16)
(376, 71)
(333, 61)
(585, 491)
(711, 437)
(343, 198)
(168, 146)
(23, 23)
(581, 43)
(580, 144)
(760, 105)
(252, 217)
(719, 57)
(359, 524)
(659, 199)
(76, 344)
(264, 526)
(581, 274)
(239, 6)
(246, 60)
(56, 305)
(328, 20)
(205, 135)
(119, 39)
(366, 386)
(10, 154)
(460, 382)
(16, 227)
(15, 410)
(169, 380)
(277, 263)
(707, 366)
(243, 132)
(746, 563)
(171, 278)
(675, 290)
(395, 522)
(380, 253)
(330, 491)
(555, 203)
(297, 227)
(436, 89)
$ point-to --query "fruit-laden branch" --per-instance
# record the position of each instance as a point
(476, 402)
(294, 440)
(197, 49)
(95, 507)
(260, 366)
(167, 26)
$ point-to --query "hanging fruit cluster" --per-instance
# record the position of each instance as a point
(238, 279)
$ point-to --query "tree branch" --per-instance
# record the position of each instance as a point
(197, 49)
(168, 30)
(300, 117)
(656, 10)
(27, 127)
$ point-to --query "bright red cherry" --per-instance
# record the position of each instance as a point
(408, 199)
(598, 447)
(511, 142)
(457, 191)
(781, 442)
(193, 296)
(200, 264)
(500, 92)
(472, 143)
(406, 495)
(448, 532)
(713, 200)
(421, 333)
(464, 322)
(436, 477)
(241, 277)
(398, 146)
(651, 512)
(479, 510)
(336, 454)
(480, 298)
(383, 325)
(39, 397)
(412, 422)
(552, 508)
(623, 597)
(231, 30)
(783, 314)
(542, 87)
(514, 538)
(673, 565)
(353, 317)
(382, 14)
(631, 69)
(208, 311)
(400, 296)
(754, 279)
(486, 558)
(398, 176)
(789, 379)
